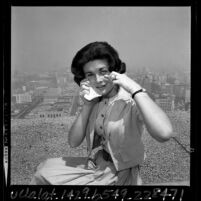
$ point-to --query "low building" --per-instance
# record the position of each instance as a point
(51, 95)
(23, 98)
(50, 114)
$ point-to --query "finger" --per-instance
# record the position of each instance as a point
(115, 73)
(86, 84)
(107, 78)
(84, 92)
(85, 87)
(113, 77)
(84, 81)
(116, 82)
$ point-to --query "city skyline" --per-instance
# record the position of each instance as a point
(46, 38)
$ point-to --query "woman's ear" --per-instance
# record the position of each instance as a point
(122, 68)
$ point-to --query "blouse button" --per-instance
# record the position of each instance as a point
(102, 115)
(101, 127)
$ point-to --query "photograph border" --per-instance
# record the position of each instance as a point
(23, 192)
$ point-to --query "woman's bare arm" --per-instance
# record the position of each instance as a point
(78, 129)
(155, 119)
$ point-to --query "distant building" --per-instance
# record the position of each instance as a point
(50, 114)
(187, 96)
(61, 81)
(23, 98)
(24, 88)
(155, 87)
(49, 99)
(13, 99)
(65, 99)
(167, 104)
(168, 88)
(179, 90)
(51, 95)
(146, 83)
(170, 79)
(162, 79)
(46, 111)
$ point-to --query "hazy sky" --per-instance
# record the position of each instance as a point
(44, 38)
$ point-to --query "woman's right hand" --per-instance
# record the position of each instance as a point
(85, 89)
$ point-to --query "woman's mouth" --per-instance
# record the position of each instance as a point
(101, 87)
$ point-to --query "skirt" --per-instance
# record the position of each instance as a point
(84, 171)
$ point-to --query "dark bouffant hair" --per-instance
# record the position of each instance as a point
(93, 51)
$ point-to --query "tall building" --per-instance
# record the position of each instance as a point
(155, 87)
(170, 79)
(167, 104)
(146, 83)
(187, 96)
(179, 90)
(168, 88)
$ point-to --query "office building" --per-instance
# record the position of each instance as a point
(23, 98)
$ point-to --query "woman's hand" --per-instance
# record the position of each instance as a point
(85, 89)
(123, 80)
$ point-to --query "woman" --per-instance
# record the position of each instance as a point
(111, 123)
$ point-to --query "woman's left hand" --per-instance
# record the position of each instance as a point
(123, 80)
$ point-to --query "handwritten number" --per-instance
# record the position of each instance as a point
(182, 193)
(106, 194)
(137, 197)
(147, 195)
(77, 195)
(14, 196)
(70, 195)
(164, 194)
(96, 196)
(115, 194)
(86, 192)
(155, 192)
(124, 193)
(175, 193)
(64, 192)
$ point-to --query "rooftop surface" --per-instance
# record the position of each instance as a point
(34, 140)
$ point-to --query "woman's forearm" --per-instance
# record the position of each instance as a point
(78, 129)
(155, 119)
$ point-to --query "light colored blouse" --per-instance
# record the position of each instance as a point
(118, 121)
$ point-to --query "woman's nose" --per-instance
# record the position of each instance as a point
(99, 78)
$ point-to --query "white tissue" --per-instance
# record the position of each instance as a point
(92, 94)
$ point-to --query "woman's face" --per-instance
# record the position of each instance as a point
(95, 71)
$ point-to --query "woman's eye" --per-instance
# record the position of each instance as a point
(89, 75)
(104, 72)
